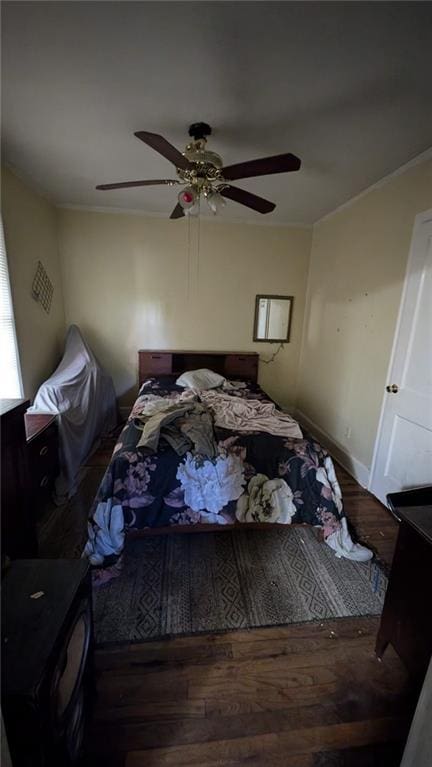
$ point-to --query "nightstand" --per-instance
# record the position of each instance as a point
(406, 620)
(47, 660)
(42, 450)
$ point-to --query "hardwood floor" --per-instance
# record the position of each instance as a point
(309, 695)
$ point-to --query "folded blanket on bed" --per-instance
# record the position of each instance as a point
(249, 415)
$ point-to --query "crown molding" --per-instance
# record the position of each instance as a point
(157, 214)
(417, 160)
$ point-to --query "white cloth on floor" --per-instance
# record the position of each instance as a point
(107, 536)
(341, 542)
(82, 396)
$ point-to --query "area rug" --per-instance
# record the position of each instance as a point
(223, 581)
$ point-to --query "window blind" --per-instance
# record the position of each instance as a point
(10, 374)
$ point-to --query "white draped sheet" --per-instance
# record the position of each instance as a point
(82, 396)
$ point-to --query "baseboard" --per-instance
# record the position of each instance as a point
(353, 466)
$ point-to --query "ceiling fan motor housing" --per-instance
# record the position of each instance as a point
(207, 164)
(199, 130)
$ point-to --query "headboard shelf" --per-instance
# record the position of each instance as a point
(242, 365)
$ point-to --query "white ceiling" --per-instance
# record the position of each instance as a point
(345, 86)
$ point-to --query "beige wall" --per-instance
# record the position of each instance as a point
(30, 225)
(130, 283)
(358, 262)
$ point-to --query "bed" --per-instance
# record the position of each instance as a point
(252, 478)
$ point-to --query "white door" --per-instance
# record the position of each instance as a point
(403, 450)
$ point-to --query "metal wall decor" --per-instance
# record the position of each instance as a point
(42, 288)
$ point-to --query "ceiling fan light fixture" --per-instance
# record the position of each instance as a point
(187, 198)
(215, 202)
(194, 210)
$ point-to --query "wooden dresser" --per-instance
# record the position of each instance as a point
(230, 364)
(406, 621)
(29, 466)
(42, 451)
(17, 511)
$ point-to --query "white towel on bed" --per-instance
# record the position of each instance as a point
(249, 415)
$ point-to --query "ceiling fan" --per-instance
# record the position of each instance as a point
(202, 173)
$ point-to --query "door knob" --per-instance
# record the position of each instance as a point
(392, 388)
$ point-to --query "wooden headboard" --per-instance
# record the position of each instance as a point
(230, 364)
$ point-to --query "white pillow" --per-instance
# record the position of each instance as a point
(200, 379)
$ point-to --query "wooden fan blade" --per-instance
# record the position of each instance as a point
(178, 212)
(280, 163)
(126, 184)
(247, 198)
(167, 150)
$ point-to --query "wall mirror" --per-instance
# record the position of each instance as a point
(272, 318)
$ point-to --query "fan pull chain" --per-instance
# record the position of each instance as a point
(198, 241)
(188, 259)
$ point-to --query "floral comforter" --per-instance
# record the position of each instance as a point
(273, 479)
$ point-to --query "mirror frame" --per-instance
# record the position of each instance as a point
(290, 299)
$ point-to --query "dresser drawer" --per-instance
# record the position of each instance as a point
(43, 449)
(43, 461)
(242, 365)
(153, 364)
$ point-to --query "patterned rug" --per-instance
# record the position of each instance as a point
(214, 582)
